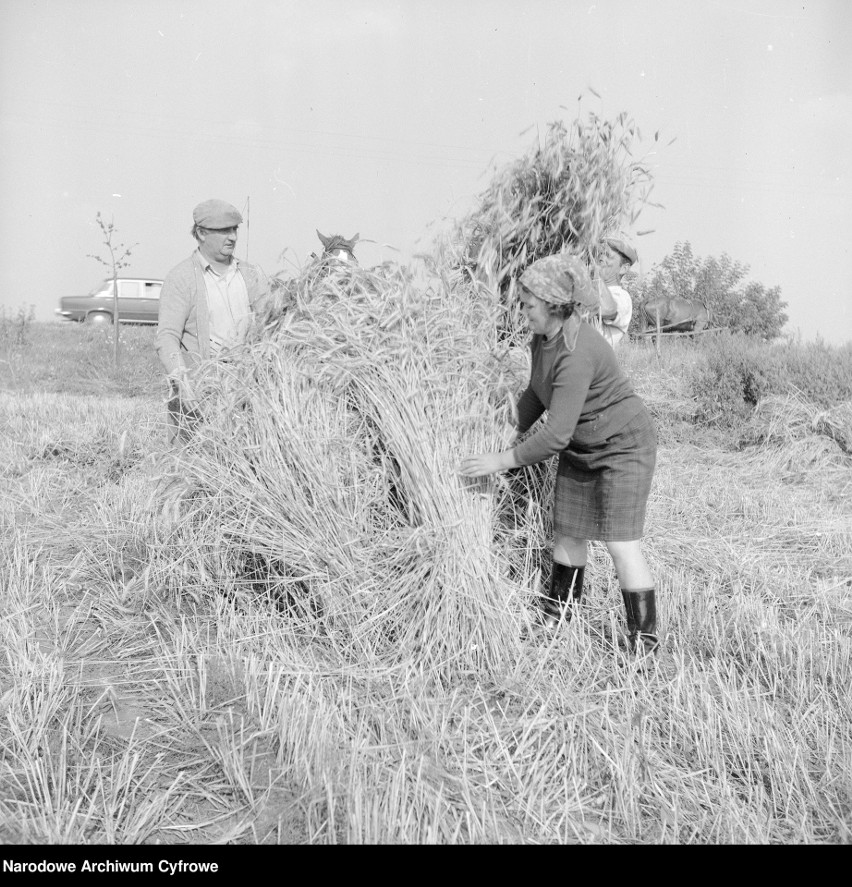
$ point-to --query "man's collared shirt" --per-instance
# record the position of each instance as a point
(228, 303)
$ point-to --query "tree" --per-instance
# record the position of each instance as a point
(117, 261)
(720, 284)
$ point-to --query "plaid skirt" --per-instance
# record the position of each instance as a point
(602, 491)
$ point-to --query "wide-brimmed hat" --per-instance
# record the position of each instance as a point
(216, 214)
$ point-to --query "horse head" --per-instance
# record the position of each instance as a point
(337, 247)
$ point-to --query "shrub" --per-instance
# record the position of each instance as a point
(737, 372)
(734, 304)
(818, 372)
(730, 382)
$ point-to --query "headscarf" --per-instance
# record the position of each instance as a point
(563, 280)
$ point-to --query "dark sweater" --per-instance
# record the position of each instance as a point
(587, 396)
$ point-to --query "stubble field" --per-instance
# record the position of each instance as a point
(142, 703)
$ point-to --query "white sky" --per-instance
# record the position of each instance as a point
(382, 118)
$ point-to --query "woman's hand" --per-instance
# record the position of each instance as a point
(487, 463)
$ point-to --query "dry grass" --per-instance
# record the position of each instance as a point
(218, 647)
(334, 469)
(577, 183)
(304, 627)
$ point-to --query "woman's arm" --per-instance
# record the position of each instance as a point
(529, 410)
(571, 381)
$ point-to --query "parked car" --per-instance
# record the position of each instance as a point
(138, 302)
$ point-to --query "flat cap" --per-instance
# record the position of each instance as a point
(216, 214)
(622, 245)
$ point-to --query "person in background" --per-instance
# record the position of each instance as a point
(605, 440)
(206, 306)
(616, 305)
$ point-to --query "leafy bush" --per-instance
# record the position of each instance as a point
(818, 372)
(730, 382)
(738, 372)
(720, 285)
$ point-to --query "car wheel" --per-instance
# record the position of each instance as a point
(98, 317)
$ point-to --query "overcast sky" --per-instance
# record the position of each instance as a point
(384, 117)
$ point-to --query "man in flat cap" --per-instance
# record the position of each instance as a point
(206, 306)
(616, 305)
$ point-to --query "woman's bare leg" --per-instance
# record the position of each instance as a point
(568, 550)
(630, 564)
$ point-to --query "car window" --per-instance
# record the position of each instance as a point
(103, 289)
(129, 289)
(152, 289)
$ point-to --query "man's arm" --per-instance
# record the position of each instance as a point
(174, 310)
(609, 307)
(623, 309)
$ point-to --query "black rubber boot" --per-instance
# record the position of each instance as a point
(641, 609)
(566, 589)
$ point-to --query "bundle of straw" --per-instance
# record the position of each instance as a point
(329, 454)
(785, 418)
(578, 185)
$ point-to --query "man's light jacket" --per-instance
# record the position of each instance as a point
(183, 328)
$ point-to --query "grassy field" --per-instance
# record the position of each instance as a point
(141, 704)
(72, 358)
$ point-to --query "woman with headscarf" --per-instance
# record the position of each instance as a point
(605, 440)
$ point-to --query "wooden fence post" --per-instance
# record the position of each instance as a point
(657, 340)
(115, 319)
